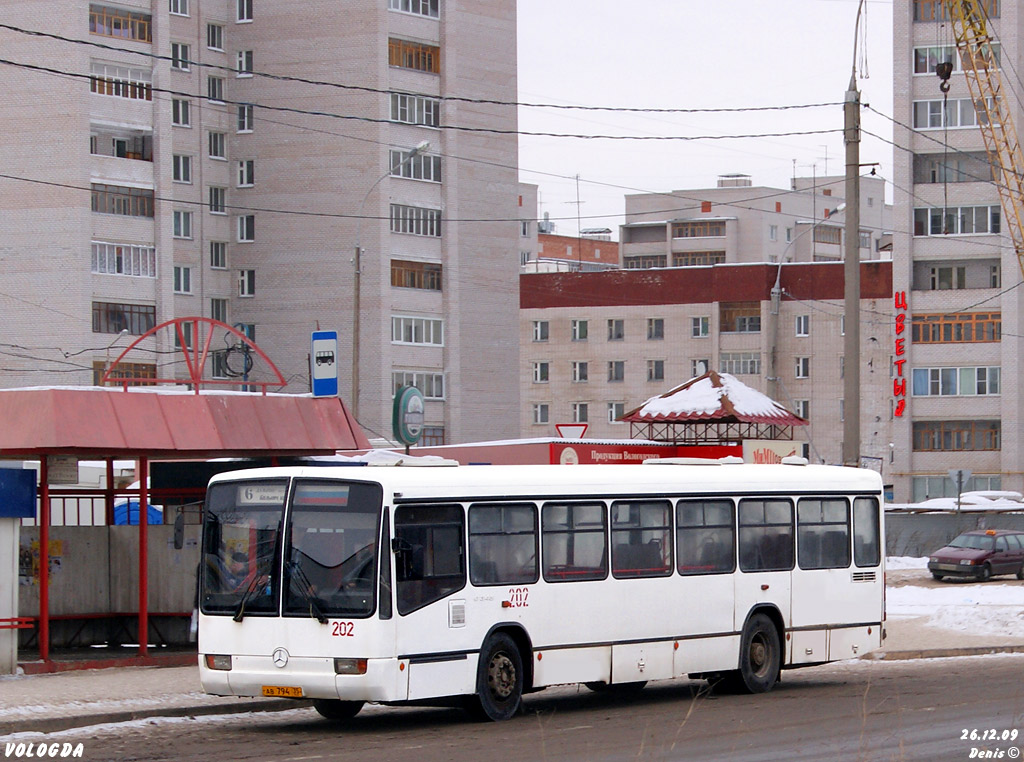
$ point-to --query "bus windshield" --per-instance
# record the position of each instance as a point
(331, 555)
(240, 538)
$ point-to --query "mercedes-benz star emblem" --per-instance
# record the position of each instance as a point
(280, 658)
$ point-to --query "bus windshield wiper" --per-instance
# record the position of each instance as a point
(308, 593)
(257, 583)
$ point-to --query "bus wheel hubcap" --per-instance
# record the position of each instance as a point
(501, 676)
(758, 655)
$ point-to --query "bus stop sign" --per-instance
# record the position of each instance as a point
(323, 364)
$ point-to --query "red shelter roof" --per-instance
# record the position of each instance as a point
(170, 424)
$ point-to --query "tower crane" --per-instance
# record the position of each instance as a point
(981, 68)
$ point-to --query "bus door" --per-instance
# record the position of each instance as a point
(766, 555)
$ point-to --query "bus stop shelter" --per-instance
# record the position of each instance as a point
(159, 423)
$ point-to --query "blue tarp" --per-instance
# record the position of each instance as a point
(125, 515)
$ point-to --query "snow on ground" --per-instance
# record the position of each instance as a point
(899, 563)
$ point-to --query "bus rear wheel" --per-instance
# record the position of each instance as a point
(335, 709)
(760, 658)
(499, 681)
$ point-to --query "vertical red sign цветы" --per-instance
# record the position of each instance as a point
(899, 383)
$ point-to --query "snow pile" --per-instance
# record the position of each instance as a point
(975, 609)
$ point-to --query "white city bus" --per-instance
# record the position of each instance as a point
(477, 584)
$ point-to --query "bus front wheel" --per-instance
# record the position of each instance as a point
(334, 709)
(760, 657)
(499, 682)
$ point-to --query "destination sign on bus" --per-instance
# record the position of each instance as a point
(261, 494)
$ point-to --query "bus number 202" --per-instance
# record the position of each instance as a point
(517, 597)
(343, 629)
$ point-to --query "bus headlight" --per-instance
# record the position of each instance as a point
(350, 666)
(218, 661)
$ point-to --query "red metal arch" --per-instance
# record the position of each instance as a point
(195, 359)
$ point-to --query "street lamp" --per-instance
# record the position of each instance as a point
(357, 261)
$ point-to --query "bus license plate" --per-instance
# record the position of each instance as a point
(282, 691)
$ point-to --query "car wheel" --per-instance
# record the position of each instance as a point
(1020, 572)
(499, 682)
(936, 576)
(985, 574)
(333, 709)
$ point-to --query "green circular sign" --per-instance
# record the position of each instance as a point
(407, 415)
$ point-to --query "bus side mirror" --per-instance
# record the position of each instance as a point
(179, 531)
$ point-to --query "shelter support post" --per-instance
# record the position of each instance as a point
(143, 554)
(44, 559)
(108, 498)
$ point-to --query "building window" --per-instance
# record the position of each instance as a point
(524, 230)
(121, 81)
(181, 168)
(616, 371)
(218, 200)
(540, 330)
(218, 255)
(246, 173)
(181, 112)
(963, 220)
(247, 283)
(182, 222)
(655, 370)
(117, 199)
(700, 327)
(926, 487)
(219, 310)
(699, 229)
(413, 330)
(945, 382)
(935, 10)
(541, 412)
(179, 56)
(114, 22)
(995, 276)
(244, 63)
(121, 259)
(740, 363)
(959, 112)
(244, 10)
(655, 328)
(740, 317)
(773, 232)
(646, 261)
(433, 436)
(697, 258)
(414, 55)
(418, 7)
(580, 412)
(410, 274)
(615, 411)
(865, 239)
(541, 372)
(928, 57)
(419, 167)
(964, 328)
(946, 436)
(416, 220)
(699, 367)
(184, 337)
(430, 384)
(789, 235)
(828, 234)
(803, 325)
(803, 367)
(415, 109)
(246, 117)
(215, 89)
(138, 372)
(215, 37)
(580, 372)
(110, 317)
(182, 279)
(803, 409)
(246, 228)
(946, 278)
(579, 330)
(179, 7)
(218, 145)
(616, 330)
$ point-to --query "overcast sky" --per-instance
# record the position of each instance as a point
(689, 54)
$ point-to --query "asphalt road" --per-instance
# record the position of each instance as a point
(863, 711)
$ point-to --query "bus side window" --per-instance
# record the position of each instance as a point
(503, 544)
(430, 554)
(823, 533)
(766, 535)
(575, 539)
(866, 534)
(705, 537)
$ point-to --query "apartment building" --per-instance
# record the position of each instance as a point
(225, 159)
(954, 269)
(595, 345)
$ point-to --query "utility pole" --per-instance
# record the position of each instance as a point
(851, 273)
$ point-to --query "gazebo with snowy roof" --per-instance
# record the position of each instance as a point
(715, 408)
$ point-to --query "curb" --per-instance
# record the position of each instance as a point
(54, 724)
(939, 653)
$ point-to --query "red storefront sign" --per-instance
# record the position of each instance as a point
(899, 382)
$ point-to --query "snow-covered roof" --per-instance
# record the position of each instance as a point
(714, 397)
